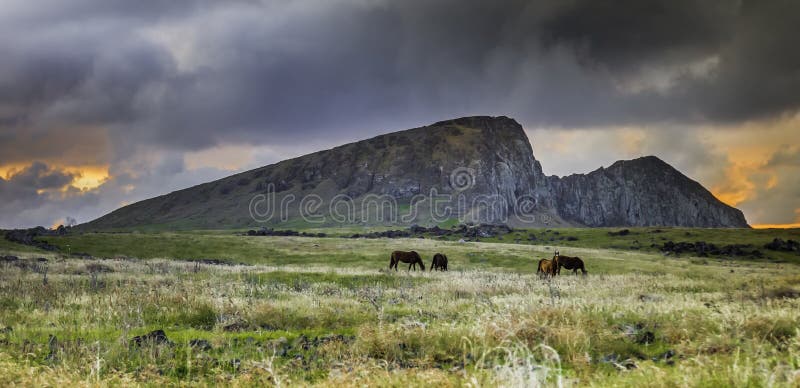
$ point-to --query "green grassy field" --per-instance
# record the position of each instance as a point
(326, 311)
(230, 246)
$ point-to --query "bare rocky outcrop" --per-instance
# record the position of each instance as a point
(640, 192)
(483, 165)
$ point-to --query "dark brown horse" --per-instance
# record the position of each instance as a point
(439, 262)
(568, 262)
(406, 257)
(545, 268)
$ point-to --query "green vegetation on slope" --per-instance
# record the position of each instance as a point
(227, 245)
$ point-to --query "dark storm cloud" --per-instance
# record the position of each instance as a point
(25, 190)
(272, 72)
(107, 82)
(785, 156)
(623, 34)
(39, 176)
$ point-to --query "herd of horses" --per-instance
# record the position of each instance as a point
(439, 263)
(553, 267)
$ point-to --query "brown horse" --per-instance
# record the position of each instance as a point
(439, 262)
(545, 268)
(568, 262)
(406, 257)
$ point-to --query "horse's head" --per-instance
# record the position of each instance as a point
(555, 255)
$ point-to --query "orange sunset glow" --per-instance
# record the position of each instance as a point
(91, 118)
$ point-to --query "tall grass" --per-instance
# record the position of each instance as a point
(636, 320)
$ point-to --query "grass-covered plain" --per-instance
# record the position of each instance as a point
(231, 246)
(326, 311)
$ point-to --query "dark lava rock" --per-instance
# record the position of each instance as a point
(235, 363)
(200, 344)
(637, 333)
(28, 237)
(235, 326)
(461, 231)
(646, 337)
(156, 337)
(626, 365)
(273, 232)
(623, 232)
(613, 357)
(301, 342)
(9, 259)
(778, 244)
(317, 341)
(98, 268)
(706, 249)
(668, 355)
(280, 347)
(212, 262)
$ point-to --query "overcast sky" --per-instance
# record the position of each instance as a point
(106, 102)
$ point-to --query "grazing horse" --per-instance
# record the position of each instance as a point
(439, 262)
(406, 257)
(568, 262)
(545, 268)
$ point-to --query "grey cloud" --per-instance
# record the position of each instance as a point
(131, 78)
(779, 204)
(785, 156)
(275, 72)
(21, 205)
(39, 176)
(19, 193)
(624, 34)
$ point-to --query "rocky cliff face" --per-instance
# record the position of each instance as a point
(640, 192)
(478, 169)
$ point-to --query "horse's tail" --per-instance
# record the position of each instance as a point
(582, 265)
